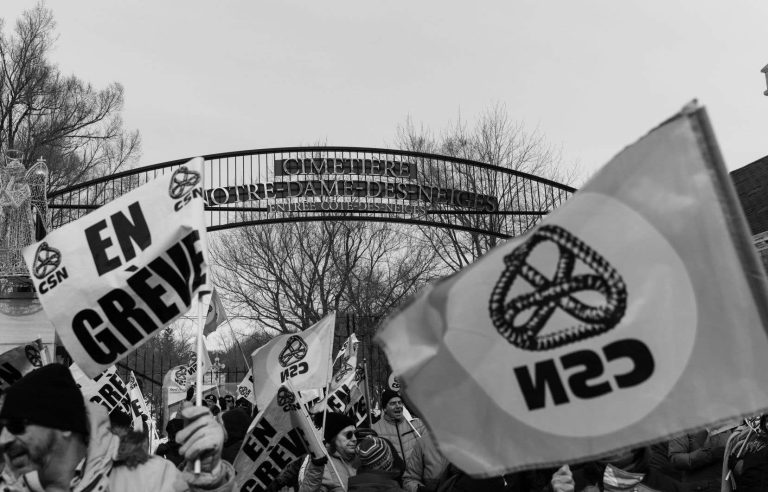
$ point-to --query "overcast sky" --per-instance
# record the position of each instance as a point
(203, 77)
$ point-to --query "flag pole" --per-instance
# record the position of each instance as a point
(305, 414)
(238, 343)
(199, 372)
(367, 393)
(330, 372)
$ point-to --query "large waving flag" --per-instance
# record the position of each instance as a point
(303, 358)
(634, 311)
(110, 280)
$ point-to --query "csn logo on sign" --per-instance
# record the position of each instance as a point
(292, 358)
(184, 187)
(523, 320)
(47, 268)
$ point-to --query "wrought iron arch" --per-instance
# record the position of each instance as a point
(298, 184)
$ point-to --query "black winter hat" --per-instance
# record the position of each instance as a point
(387, 395)
(48, 397)
(334, 423)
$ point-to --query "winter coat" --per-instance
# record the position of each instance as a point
(321, 478)
(117, 468)
(401, 434)
(700, 458)
(374, 481)
(425, 466)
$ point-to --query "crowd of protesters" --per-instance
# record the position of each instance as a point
(52, 439)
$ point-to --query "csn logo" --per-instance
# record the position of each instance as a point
(183, 187)
(291, 358)
(526, 320)
(286, 400)
(47, 268)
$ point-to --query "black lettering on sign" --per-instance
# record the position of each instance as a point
(546, 375)
(189, 241)
(127, 231)
(126, 317)
(178, 281)
(294, 443)
(131, 231)
(583, 383)
(87, 321)
(98, 246)
(258, 439)
(120, 309)
(593, 368)
(153, 295)
(110, 395)
(638, 353)
(266, 472)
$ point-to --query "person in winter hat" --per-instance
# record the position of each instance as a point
(376, 472)
(340, 441)
(47, 426)
(394, 426)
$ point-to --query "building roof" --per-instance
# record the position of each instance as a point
(751, 182)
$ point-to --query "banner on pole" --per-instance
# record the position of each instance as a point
(18, 361)
(107, 389)
(301, 357)
(139, 410)
(280, 434)
(110, 280)
(636, 301)
(245, 388)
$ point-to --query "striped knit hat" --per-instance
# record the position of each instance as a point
(374, 454)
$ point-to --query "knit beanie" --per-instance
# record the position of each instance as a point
(387, 395)
(334, 423)
(48, 397)
(374, 454)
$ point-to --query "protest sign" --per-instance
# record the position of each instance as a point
(107, 389)
(638, 300)
(18, 361)
(303, 357)
(139, 410)
(110, 280)
(278, 435)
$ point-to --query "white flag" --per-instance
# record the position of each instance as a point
(634, 311)
(302, 357)
(245, 388)
(110, 280)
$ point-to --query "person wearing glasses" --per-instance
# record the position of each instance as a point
(48, 427)
(340, 441)
(395, 427)
(229, 403)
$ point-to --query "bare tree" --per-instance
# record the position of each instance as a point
(497, 140)
(43, 113)
(287, 276)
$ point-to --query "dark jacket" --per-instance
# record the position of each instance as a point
(700, 459)
(374, 481)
